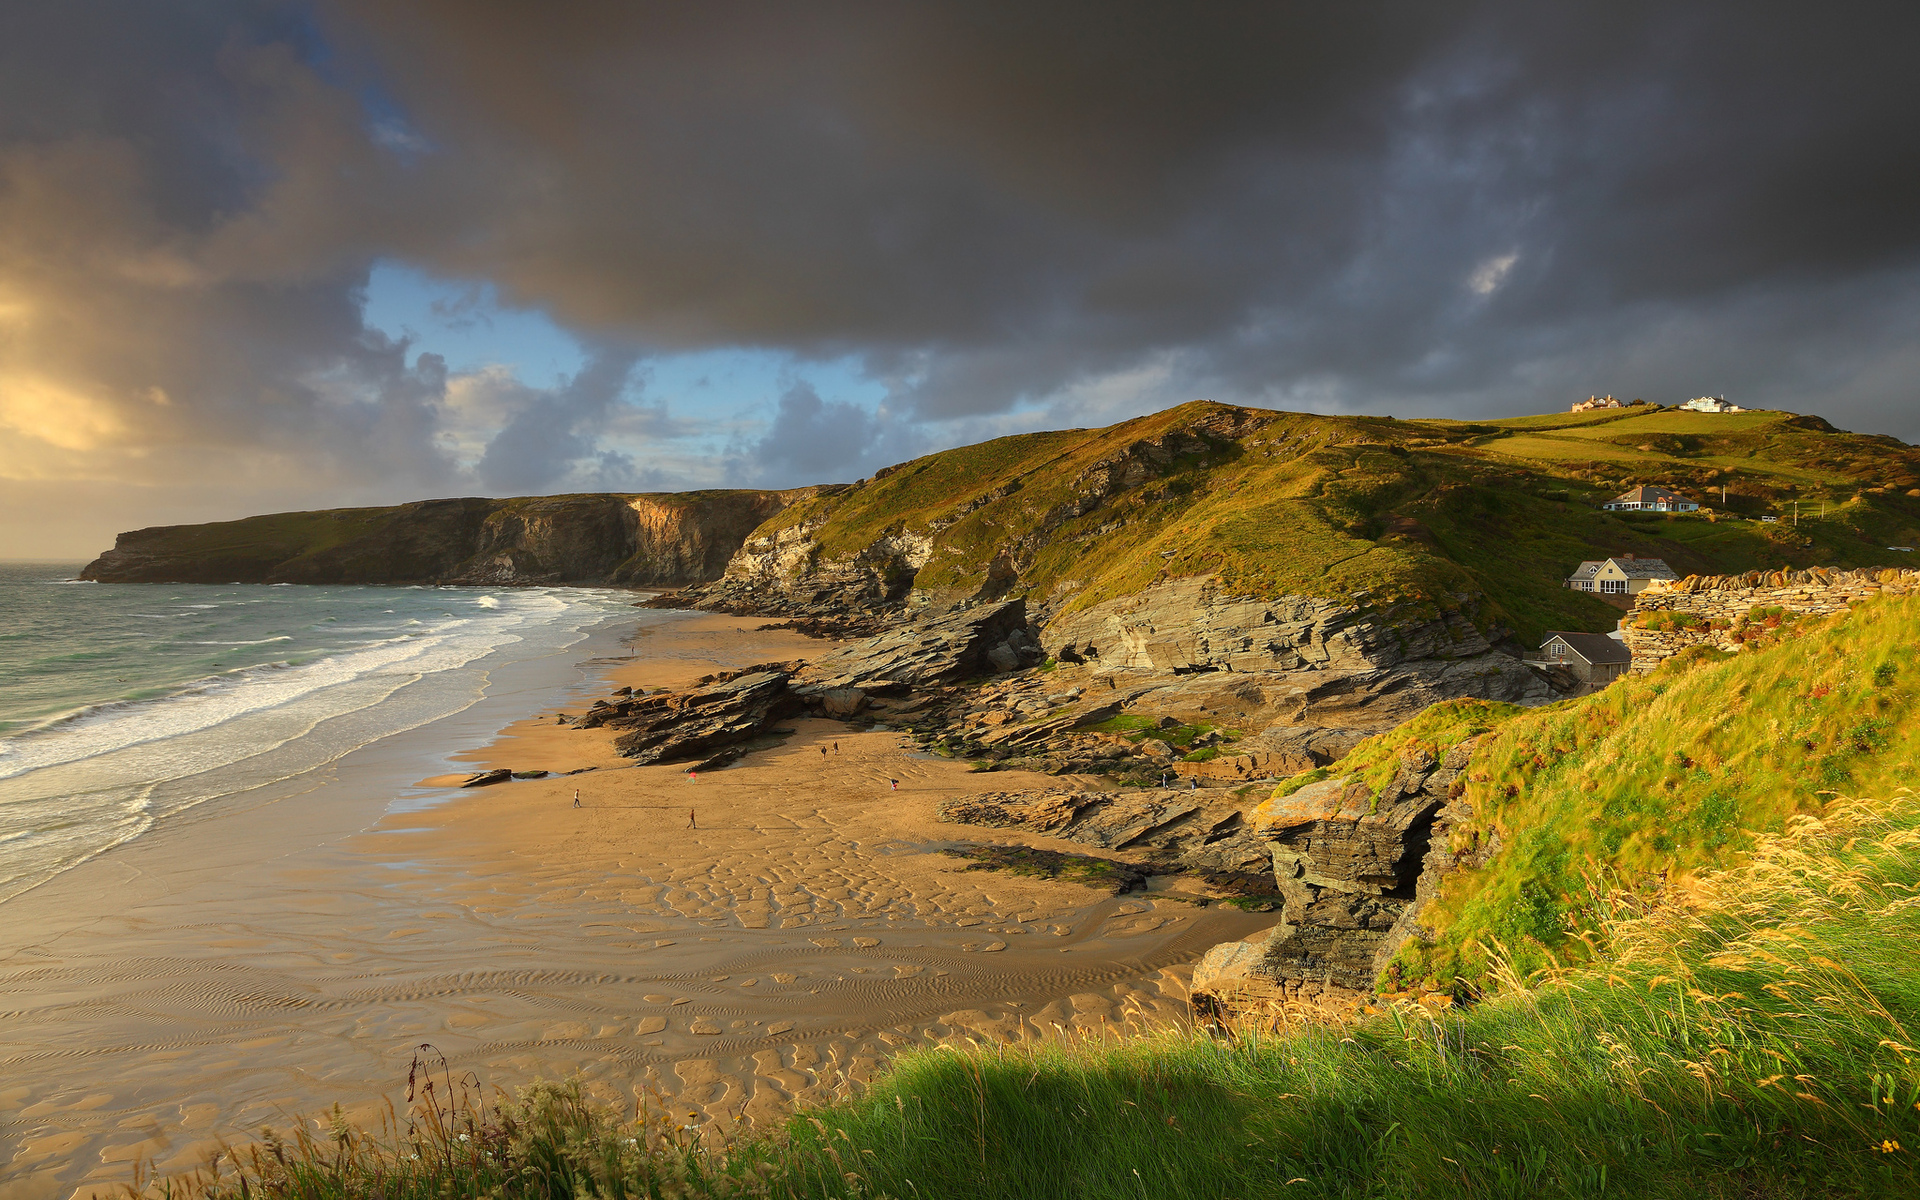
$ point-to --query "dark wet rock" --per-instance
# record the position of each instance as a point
(1177, 830)
(697, 724)
(530, 774)
(484, 778)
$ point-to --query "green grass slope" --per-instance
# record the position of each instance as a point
(1288, 503)
(1652, 779)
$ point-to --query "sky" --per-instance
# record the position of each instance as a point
(260, 255)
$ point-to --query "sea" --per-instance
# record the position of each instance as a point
(127, 706)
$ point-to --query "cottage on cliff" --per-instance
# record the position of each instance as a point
(1711, 404)
(1622, 576)
(1650, 498)
(1592, 657)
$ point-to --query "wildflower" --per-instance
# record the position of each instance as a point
(1888, 1146)
(465, 1138)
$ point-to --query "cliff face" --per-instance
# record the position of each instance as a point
(665, 539)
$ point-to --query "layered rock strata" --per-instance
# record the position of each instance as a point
(1201, 833)
(1354, 868)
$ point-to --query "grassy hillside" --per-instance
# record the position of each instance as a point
(1293, 503)
(1654, 778)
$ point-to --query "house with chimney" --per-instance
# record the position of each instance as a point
(1594, 658)
(1622, 576)
(1650, 497)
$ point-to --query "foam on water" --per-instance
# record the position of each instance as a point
(90, 758)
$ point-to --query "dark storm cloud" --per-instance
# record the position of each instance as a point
(1426, 202)
(1038, 213)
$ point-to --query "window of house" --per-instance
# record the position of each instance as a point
(1616, 586)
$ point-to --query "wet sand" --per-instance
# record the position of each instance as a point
(264, 963)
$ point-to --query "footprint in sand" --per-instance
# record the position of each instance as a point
(651, 1025)
(779, 1027)
(657, 998)
(705, 1026)
(901, 972)
(826, 943)
(866, 942)
(784, 977)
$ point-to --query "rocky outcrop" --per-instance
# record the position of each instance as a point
(705, 723)
(1354, 868)
(639, 540)
(1345, 663)
(713, 721)
(1174, 830)
(986, 639)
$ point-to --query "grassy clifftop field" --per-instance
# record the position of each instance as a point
(1288, 503)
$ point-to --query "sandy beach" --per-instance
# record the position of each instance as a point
(260, 964)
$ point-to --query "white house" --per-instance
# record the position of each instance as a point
(1711, 404)
(1623, 576)
(1650, 498)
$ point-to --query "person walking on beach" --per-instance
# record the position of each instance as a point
(690, 822)
(823, 752)
(1193, 783)
(576, 797)
(836, 747)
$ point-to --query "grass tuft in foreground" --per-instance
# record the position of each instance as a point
(1750, 1035)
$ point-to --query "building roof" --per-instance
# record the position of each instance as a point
(1632, 568)
(1595, 648)
(1648, 493)
(1644, 568)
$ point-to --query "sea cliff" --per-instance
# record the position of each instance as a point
(649, 539)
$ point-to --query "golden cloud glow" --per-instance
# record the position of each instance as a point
(55, 415)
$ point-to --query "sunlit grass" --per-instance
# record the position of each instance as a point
(1747, 1035)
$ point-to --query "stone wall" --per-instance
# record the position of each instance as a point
(1728, 598)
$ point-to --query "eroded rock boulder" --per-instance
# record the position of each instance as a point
(1354, 866)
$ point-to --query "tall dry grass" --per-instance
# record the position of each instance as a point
(1744, 1035)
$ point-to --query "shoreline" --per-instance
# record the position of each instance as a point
(271, 961)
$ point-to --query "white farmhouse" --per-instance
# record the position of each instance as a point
(1622, 576)
(1711, 404)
